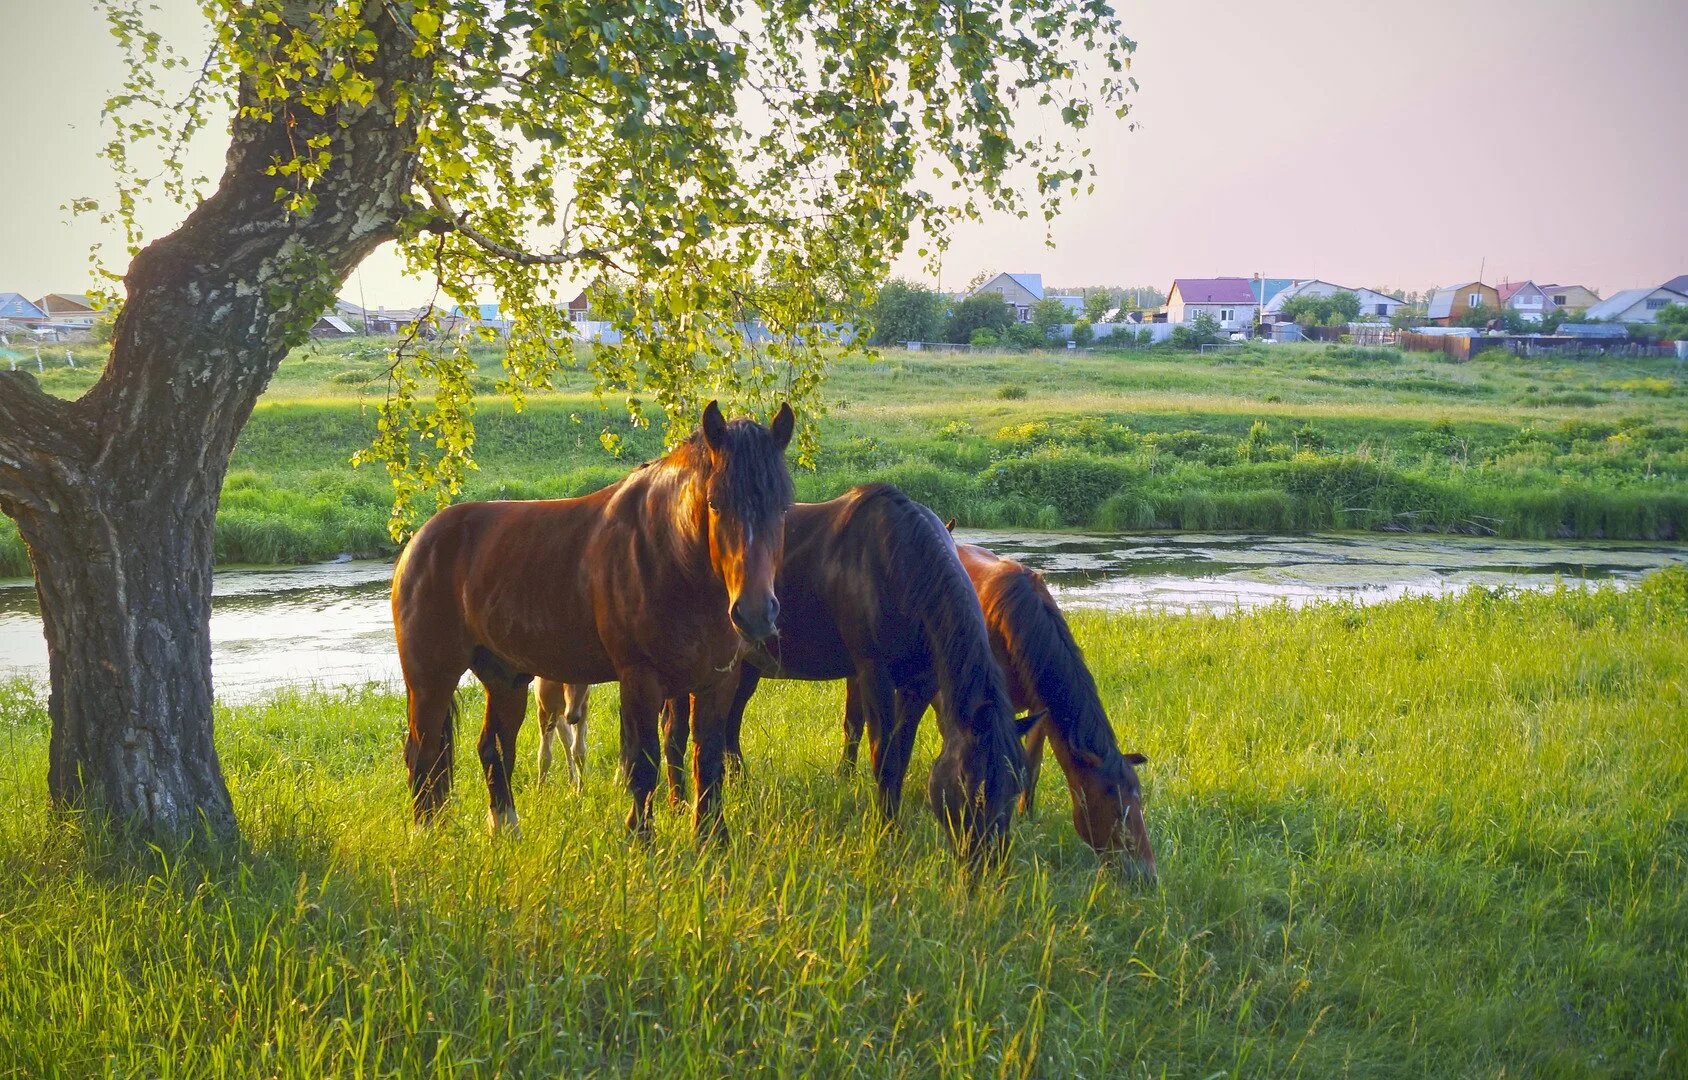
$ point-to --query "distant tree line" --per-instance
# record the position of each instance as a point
(906, 311)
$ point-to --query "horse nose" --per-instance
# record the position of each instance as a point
(752, 625)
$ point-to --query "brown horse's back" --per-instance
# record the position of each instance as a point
(505, 583)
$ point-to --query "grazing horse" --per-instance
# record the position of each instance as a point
(1047, 677)
(658, 582)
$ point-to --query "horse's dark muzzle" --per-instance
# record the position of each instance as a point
(753, 625)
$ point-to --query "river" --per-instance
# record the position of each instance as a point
(329, 624)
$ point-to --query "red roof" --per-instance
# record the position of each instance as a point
(1509, 289)
(1214, 290)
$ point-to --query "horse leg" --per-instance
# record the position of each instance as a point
(710, 709)
(676, 732)
(897, 746)
(749, 677)
(879, 715)
(428, 745)
(506, 706)
(641, 698)
(546, 709)
(574, 716)
(852, 728)
(1034, 762)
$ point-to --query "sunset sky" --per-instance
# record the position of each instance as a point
(1364, 143)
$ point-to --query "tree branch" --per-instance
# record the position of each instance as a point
(459, 223)
(37, 442)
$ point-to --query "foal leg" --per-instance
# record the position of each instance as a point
(428, 745)
(852, 728)
(641, 698)
(506, 706)
(545, 699)
(676, 732)
(575, 696)
(1034, 762)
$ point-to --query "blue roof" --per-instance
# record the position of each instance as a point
(1266, 288)
(486, 312)
(16, 306)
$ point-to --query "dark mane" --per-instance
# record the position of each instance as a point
(937, 593)
(755, 482)
(1050, 662)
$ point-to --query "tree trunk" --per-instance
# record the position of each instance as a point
(125, 591)
(115, 494)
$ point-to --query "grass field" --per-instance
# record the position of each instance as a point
(1281, 438)
(1428, 838)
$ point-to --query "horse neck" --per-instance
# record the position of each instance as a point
(1048, 661)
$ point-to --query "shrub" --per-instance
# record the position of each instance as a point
(1011, 392)
(1075, 484)
(985, 336)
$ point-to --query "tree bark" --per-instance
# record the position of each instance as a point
(115, 494)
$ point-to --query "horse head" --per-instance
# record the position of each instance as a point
(748, 490)
(976, 781)
(1108, 805)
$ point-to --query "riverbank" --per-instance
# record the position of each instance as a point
(1279, 439)
(1431, 837)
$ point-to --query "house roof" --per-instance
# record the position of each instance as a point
(338, 323)
(1032, 283)
(75, 303)
(1265, 289)
(1218, 290)
(1679, 284)
(1509, 289)
(1075, 304)
(1620, 302)
(17, 306)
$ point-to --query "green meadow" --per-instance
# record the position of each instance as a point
(1436, 837)
(1281, 438)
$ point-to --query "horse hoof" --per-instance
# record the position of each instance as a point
(504, 823)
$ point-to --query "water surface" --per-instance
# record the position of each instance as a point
(330, 624)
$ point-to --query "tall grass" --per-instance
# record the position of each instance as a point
(1428, 838)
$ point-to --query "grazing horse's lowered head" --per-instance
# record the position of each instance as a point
(747, 491)
(1108, 806)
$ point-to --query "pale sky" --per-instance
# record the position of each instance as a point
(1365, 143)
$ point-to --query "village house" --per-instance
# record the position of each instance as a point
(1021, 291)
(17, 309)
(1230, 300)
(1569, 299)
(1373, 304)
(1527, 298)
(1635, 305)
(1448, 305)
(67, 309)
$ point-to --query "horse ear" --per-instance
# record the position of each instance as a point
(1024, 724)
(949, 526)
(1136, 759)
(784, 421)
(714, 425)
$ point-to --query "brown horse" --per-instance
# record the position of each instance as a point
(1047, 677)
(657, 582)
